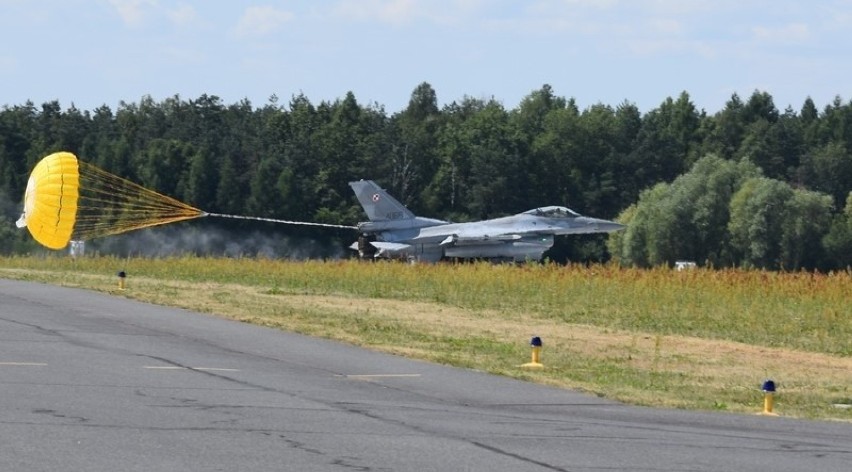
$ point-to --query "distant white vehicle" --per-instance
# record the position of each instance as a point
(77, 248)
(684, 265)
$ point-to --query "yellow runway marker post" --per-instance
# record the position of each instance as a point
(535, 363)
(768, 400)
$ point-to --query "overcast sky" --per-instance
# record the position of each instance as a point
(102, 52)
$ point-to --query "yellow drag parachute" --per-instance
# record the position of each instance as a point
(68, 199)
(50, 202)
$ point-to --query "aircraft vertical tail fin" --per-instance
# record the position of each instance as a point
(378, 204)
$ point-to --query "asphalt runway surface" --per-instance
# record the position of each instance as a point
(93, 382)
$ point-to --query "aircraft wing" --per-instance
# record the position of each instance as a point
(462, 239)
(495, 242)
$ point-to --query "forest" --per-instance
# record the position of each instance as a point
(747, 186)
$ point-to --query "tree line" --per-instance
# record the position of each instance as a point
(748, 185)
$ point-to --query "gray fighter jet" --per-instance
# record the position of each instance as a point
(395, 232)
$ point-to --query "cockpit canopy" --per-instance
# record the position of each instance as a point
(553, 212)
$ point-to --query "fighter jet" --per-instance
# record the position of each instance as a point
(393, 231)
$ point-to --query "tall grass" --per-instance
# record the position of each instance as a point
(801, 310)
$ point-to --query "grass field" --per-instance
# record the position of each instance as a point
(697, 339)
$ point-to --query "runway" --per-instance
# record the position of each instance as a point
(94, 382)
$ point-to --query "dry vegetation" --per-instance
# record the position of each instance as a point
(698, 339)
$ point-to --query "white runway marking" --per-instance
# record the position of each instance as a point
(24, 364)
(378, 376)
(172, 367)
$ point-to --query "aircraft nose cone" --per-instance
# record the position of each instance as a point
(605, 226)
(613, 226)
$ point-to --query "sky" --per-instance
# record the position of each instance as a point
(89, 53)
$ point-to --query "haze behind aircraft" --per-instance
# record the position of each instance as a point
(393, 231)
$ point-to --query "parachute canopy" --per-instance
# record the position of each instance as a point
(67, 199)
(50, 201)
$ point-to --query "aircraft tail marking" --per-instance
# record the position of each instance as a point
(378, 204)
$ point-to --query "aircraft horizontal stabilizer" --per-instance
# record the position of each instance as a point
(389, 249)
(390, 246)
(384, 248)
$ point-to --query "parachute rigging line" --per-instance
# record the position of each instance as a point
(112, 205)
(273, 220)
